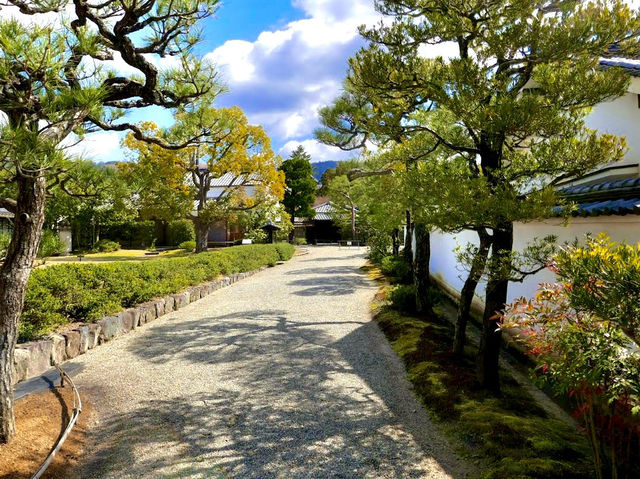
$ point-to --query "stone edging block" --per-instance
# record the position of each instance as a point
(36, 357)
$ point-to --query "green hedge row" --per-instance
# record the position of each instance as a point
(86, 292)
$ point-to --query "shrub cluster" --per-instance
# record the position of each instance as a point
(585, 333)
(105, 246)
(403, 298)
(395, 267)
(138, 234)
(50, 244)
(86, 292)
(180, 231)
(188, 246)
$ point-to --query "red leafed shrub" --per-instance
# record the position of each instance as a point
(584, 331)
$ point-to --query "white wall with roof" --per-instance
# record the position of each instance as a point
(619, 117)
(445, 267)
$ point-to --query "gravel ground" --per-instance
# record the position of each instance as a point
(282, 375)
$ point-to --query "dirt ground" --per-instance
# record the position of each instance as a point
(40, 420)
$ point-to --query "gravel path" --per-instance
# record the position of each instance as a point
(282, 375)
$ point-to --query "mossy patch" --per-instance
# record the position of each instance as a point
(511, 434)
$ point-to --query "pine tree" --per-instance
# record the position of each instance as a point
(301, 187)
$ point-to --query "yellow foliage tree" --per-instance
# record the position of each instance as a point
(182, 183)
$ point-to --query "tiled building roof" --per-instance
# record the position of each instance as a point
(618, 186)
(609, 207)
(619, 197)
(631, 66)
(324, 212)
(230, 179)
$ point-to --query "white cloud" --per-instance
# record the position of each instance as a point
(316, 150)
(283, 78)
(99, 147)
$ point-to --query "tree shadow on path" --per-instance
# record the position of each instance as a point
(291, 402)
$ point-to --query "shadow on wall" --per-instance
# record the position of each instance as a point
(295, 410)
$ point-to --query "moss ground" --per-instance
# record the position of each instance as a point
(510, 435)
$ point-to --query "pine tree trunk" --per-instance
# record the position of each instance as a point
(495, 300)
(468, 290)
(407, 253)
(395, 240)
(353, 223)
(421, 266)
(202, 236)
(14, 274)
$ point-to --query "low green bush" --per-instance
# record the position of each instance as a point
(189, 246)
(396, 267)
(78, 292)
(300, 241)
(179, 232)
(403, 298)
(379, 244)
(50, 245)
(105, 246)
(285, 251)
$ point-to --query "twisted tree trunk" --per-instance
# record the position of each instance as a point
(495, 300)
(468, 290)
(14, 274)
(421, 267)
(202, 236)
(395, 240)
(407, 253)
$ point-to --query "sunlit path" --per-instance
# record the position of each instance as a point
(282, 375)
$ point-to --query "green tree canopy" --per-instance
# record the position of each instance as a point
(513, 102)
(54, 82)
(301, 187)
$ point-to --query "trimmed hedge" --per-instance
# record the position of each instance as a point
(70, 293)
(189, 246)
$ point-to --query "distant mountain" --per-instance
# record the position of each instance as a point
(322, 166)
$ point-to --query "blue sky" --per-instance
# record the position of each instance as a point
(246, 19)
(281, 60)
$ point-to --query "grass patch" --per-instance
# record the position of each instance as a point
(511, 435)
(119, 255)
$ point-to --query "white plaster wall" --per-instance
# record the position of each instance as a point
(619, 117)
(445, 267)
(619, 228)
(444, 264)
(66, 237)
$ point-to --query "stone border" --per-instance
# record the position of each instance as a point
(34, 358)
